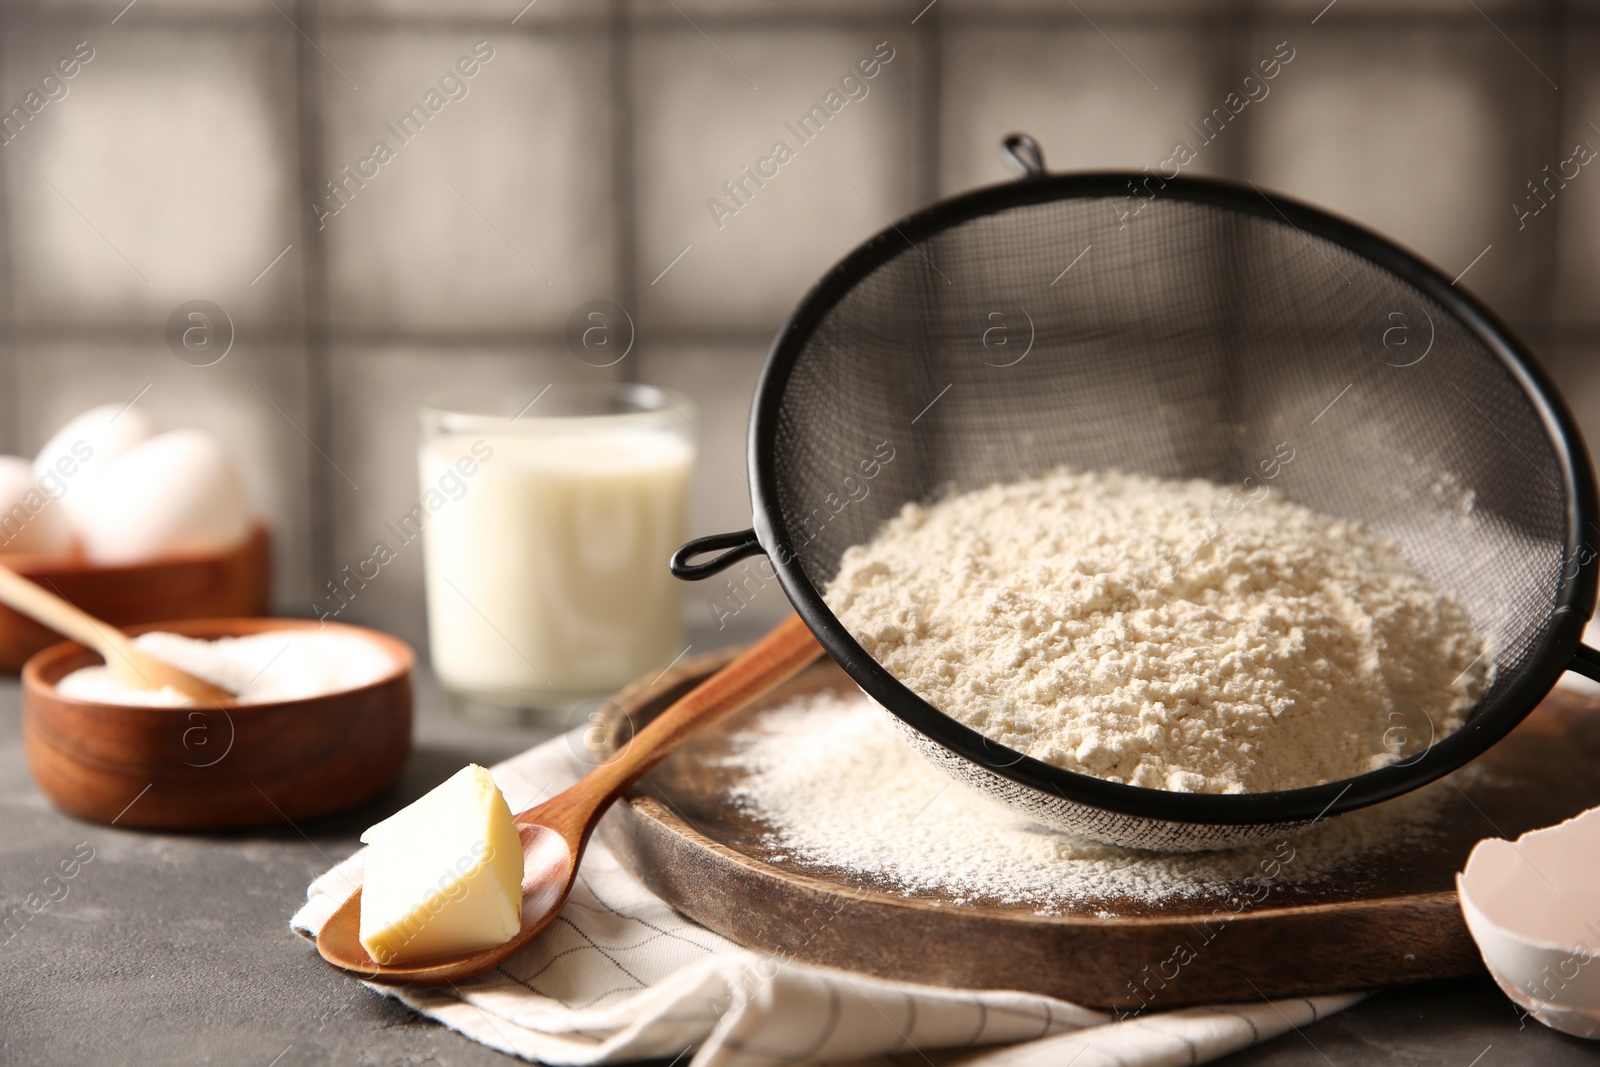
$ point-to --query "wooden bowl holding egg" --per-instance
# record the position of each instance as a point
(231, 581)
(190, 768)
(130, 523)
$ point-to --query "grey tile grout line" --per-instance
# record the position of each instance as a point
(1545, 308)
(1225, 17)
(1241, 30)
(624, 187)
(283, 332)
(157, 19)
(314, 308)
(931, 29)
(10, 356)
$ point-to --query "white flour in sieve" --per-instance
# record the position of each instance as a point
(840, 789)
(1172, 635)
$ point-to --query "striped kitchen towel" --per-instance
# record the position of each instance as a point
(621, 976)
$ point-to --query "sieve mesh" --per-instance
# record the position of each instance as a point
(1197, 338)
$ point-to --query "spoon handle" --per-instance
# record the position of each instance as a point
(47, 609)
(764, 666)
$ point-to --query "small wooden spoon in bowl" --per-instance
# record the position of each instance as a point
(128, 662)
(554, 833)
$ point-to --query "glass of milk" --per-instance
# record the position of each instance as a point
(546, 555)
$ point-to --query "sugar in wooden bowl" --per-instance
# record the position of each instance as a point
(309, 738)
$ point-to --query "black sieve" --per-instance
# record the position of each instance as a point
(1182, 328)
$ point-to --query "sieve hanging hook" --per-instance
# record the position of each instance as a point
(1586, 661)
(741, 544)
(1023, 155)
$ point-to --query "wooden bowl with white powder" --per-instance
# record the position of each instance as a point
(324, 723)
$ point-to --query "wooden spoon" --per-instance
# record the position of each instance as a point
(554, 833)
(127, 662)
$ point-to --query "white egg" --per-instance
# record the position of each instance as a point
(1532, 907)
(174, 492)
(30, 520)
(80, 452)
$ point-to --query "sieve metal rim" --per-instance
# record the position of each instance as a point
(1560, 649)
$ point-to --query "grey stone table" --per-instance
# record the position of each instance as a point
(176, 949)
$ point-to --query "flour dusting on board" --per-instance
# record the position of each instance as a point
(840, 789)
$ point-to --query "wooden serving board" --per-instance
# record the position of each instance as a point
(1391, 919)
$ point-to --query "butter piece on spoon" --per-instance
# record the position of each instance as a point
(443, 875)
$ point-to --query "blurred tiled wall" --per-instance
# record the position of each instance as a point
(190, 156)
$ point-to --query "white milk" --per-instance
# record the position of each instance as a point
(547, 579)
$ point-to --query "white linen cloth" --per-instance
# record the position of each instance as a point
(621, 976)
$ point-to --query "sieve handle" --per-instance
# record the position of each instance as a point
(740, 544)
(1586, 661)
(1023, 155)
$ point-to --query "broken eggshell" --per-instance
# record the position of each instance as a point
(1533, 907)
